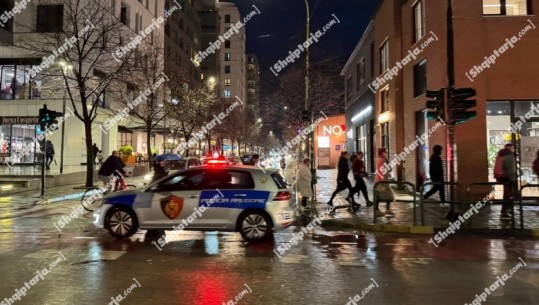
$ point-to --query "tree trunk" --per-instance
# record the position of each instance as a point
(149, 146)
(89, 154)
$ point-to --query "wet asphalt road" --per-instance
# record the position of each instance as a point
(87, 266)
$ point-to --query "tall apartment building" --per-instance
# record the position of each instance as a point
(208, 11)
(233, 76)
(253, 81)
(183, 40)
(21, 95)
(359, 99)
(494, 53)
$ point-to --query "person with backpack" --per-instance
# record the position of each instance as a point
(505, 172)
(49, 154)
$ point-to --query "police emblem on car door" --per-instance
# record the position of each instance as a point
(172, 206)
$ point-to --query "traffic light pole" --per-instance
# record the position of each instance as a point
(44, 164)
(450, 85)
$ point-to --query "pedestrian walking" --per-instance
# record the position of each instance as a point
(283, 163)
(359, 172)
(303, 181)
(505, 171)
(535, 165)
(342, 180)
(382, 192)
(95, 151)
(49, 154)
(436, 171)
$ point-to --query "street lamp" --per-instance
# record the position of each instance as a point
(259, 120)
(65, 67)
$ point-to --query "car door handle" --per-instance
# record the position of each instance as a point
(193, 196)
(240, 195)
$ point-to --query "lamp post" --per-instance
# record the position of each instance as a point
(65, 67)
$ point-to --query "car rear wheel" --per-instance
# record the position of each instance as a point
(254, 225)
(121, 222)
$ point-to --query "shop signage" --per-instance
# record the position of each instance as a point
(19, 120)
(337, 130)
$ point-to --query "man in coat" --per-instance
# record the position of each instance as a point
(303, 181)
(342, 180)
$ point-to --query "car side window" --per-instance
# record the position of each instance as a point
(228, 180)
(192, 162)
(189, 180)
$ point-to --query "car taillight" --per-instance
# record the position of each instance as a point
(282, 196)
(217, 162)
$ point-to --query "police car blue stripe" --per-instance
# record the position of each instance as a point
(123, 200)
(234, 199)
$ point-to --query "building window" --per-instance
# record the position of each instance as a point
(419, 21)
(227, 18)
(125, 138)
(124, 14)
(15, 84)
(227, 56)
(50, 18)
(384, 100)
(360, 72)
(420, 78)
(227, 69)
(384, 57)
(227, 93)
(227, 44)
(227, 81)
(349, 87)
(506, 7)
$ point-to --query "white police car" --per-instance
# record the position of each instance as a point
(212, 197)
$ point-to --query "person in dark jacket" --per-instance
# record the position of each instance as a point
(505, 171)
(112, 165)
(342, 180)
(95, 151)
(49, 152)
(436, 171)
(359, 172)
(159, 170)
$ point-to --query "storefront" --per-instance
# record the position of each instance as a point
(503, 121)
(330, 141)
(17, 136)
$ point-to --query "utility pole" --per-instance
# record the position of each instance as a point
(307, 106)
(451, 147)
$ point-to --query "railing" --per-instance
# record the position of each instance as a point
(521, 204)
(422, 201)
(398, 183)
(492, 184)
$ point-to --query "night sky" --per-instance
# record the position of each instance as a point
(281, 26)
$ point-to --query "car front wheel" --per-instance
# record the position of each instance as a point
(254, 226)
(121, 222)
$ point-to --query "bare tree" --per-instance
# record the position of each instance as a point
(145, 97)
(191, 109)
(90, 33)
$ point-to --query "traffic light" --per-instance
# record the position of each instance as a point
(48, 117)
(305, 116)
(459, 104)
(436, 105)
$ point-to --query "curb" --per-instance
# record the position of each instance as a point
(410, 229)
(388, 228)
(61, 198)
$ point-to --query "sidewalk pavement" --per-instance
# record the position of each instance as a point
(401, 219)
(55, 194)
